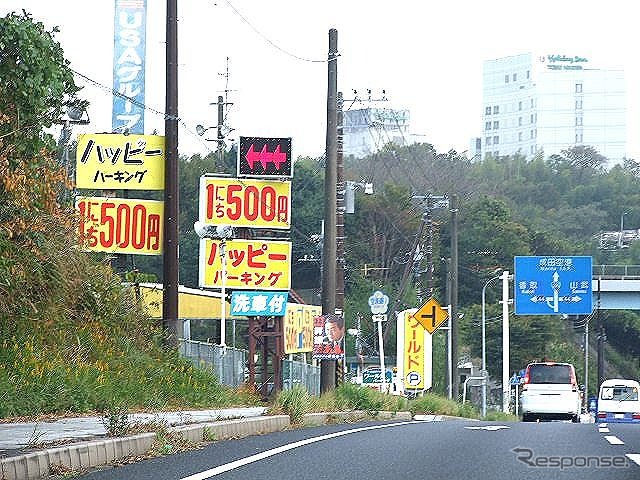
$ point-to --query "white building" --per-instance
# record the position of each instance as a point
(367, 130)
(548, 103)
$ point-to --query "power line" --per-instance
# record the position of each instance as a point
(266, 39)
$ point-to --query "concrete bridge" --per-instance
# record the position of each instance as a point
(616, 287)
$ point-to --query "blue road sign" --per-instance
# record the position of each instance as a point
(553, 285)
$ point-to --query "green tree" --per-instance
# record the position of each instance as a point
(37, 84)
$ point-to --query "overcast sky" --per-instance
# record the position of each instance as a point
(426, 55)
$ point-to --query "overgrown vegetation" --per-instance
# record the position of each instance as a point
(72, 339)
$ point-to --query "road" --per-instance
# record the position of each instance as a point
(395, 450)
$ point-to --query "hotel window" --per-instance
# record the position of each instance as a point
(579, 120)
(487, 141)
(528, 75)
(519, 121)
(496, 140)
(531, 149)
(519, 105)
(532, 103)
(519, 136)
(487, 125)
(578, 137)
(532, 118)
(506, 79)
(578, 88)
(578, 104)
(496, 125)
(515, 76)
(487, 111)
(531, 134)
(496, 109)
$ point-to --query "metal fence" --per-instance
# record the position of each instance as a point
(230, 366)
(300, 373)
(227, 363)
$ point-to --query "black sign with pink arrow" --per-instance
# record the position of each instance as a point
(265, 157)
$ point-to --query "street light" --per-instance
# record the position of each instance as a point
(484, 348)
(221, 233)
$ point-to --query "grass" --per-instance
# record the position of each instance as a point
(437, 405)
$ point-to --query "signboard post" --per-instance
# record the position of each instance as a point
(553, 285)
(379, 304)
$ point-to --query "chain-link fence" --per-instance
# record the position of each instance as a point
(227, 363)
(300, 373)
(230, 366)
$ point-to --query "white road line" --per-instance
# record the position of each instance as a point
(603, 430)
(275, 451)
(635, 457)
(613, 440)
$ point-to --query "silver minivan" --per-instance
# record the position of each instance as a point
(550, 392)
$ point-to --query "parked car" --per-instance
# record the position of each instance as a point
(550, 392)
(618, 401)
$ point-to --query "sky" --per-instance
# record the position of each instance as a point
(426, 56)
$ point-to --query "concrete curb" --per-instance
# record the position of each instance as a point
(85, 455)
(323, 418)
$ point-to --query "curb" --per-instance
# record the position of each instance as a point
(83, 456)
(86, 455)
(312, 419)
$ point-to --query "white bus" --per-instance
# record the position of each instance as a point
(618, 401)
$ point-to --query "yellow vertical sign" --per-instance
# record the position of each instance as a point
(413, 353)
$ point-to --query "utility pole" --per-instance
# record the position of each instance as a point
(453, 200)
(340, 210)
(170, 323)
(328, 367)
(220, 135)
(602, 337)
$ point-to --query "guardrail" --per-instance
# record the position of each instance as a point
(617, 271)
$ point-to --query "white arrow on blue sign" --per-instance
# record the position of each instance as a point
(553, 285)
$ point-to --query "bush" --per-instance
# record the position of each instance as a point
(294, 402)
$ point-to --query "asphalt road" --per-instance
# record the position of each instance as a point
(396, 450)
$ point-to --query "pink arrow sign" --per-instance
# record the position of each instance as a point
(277, 158)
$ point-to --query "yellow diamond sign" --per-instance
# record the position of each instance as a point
(431, 315)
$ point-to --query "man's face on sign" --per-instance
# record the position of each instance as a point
(334, 332)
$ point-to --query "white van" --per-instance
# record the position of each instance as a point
(618, 401)
(550, 392)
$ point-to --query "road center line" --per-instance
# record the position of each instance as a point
(603, 430)
(290, 446)
(613, 440)
(635, 457)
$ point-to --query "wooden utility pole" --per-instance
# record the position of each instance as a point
(170, 323)
(328, 367)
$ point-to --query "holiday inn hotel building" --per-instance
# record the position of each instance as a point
(548, 103)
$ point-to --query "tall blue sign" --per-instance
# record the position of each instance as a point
(129, 38)
(553, 285)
